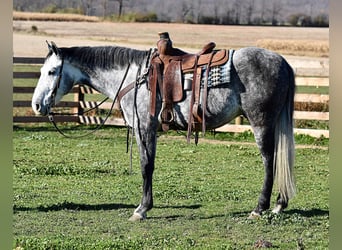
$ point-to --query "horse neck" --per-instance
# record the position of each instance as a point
(108, 81)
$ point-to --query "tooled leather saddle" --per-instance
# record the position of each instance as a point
(168, 67)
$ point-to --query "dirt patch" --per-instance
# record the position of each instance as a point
(296, 47)
(27, 16)
(145, 35)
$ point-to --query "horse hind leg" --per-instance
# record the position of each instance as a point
(264, 137)
(277, 150)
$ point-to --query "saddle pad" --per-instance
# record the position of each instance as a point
(218, 75)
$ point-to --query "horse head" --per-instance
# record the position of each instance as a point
(53, 84)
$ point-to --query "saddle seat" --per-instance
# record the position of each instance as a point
(168, 67)
(168, 53)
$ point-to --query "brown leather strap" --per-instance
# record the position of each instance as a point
(153, 78)
(190, 118)
(197, 83)
(208, 48)
(205, 94)
(188, 61)
(125, 90)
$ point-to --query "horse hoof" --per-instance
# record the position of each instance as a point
(137, 217)
(254, 215)
(278, 209)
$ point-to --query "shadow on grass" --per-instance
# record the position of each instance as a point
(173, 217)
(188, 216)
(196, 206)
(74, 206)
(243, 214)
(308, 213)
(304, 213)
(96, 207)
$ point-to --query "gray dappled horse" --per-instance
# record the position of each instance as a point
(261, 88)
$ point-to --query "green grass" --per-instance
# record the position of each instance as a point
(312, 90)
(79, 194)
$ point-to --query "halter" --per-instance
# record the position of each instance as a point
(140, 78)
(57, 85)
(53, 95)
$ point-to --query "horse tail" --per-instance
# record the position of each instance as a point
(284, 151)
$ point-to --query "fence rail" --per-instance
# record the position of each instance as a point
(79, 102)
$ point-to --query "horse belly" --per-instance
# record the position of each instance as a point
(219, 114)
(222, 107)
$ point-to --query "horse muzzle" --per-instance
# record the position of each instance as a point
(40, 109)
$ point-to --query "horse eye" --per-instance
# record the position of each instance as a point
(51, 72)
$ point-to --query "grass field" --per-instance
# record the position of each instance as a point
(79, 194)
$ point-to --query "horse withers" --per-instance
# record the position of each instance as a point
(261, 88)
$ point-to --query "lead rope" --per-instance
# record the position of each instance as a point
(51, 114)
(129, 145)
(133, 121)
(84, 112)
(51, 119)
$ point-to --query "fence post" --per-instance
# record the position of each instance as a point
(79, 98)
(239, 120)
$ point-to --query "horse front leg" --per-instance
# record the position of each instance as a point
(146, 204)
(147, 141)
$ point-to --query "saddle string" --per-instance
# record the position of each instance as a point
(51, 114)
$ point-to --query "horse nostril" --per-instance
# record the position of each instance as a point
(38, 107)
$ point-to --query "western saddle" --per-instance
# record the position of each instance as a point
(168, 67)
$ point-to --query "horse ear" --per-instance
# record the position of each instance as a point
(53, 47)
(49, 45)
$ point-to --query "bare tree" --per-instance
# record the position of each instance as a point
(120, 7)
(263, 9)
(276, 8)
(249, 10)
(131, 4)
(237, 11)
(187, 7)
(104, 5)
(197, 9)
(87, 6)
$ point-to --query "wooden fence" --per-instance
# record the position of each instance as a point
(78, 103)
